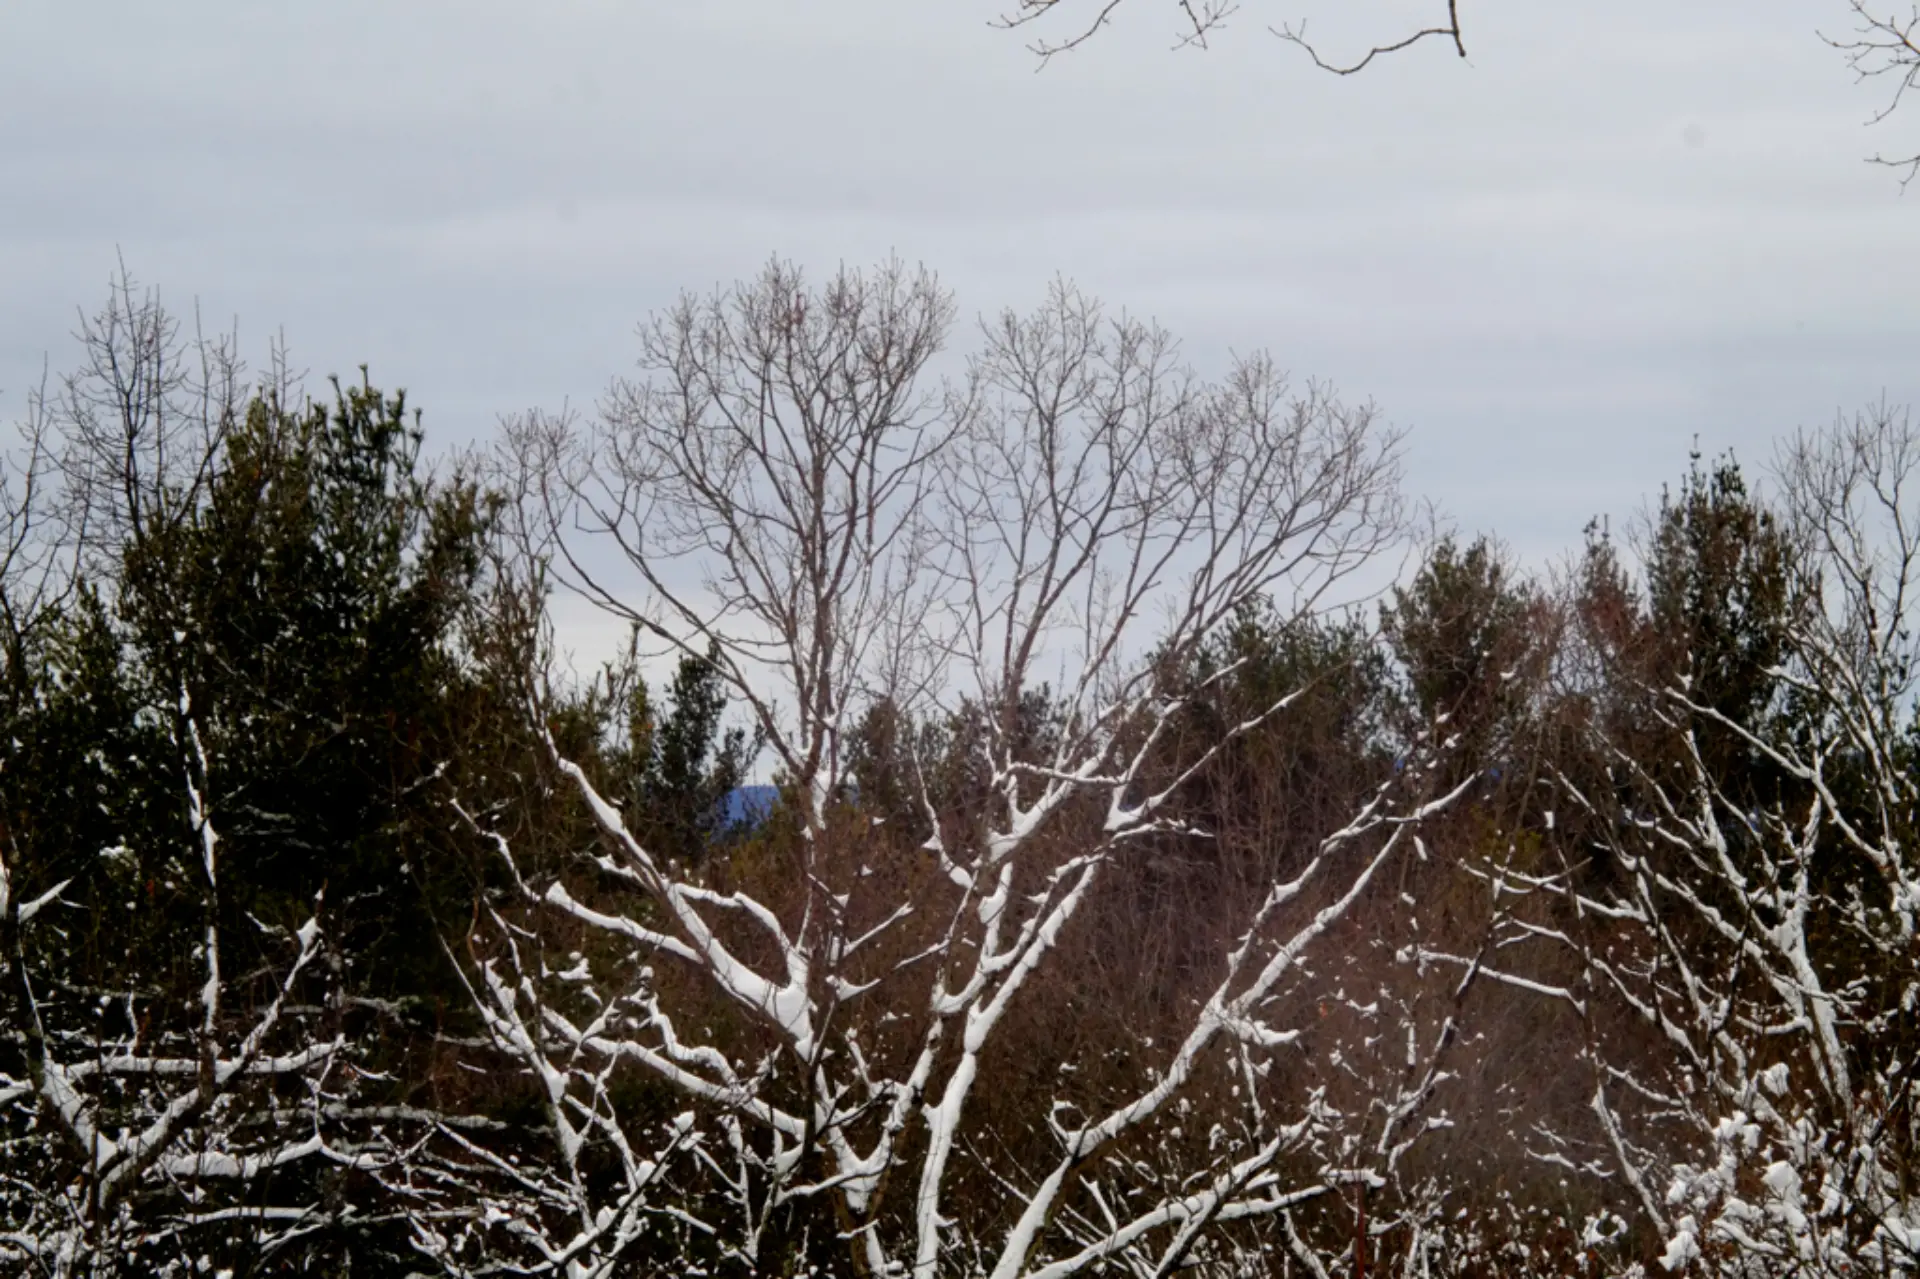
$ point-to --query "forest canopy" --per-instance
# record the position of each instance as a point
(1016, 839)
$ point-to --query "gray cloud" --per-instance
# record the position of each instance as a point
(1611, 230)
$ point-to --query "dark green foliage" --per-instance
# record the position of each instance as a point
(1721, 590)
(885, 769)
(305, 613)
(1340, 711)
(81, 772)
(1723, 586)
(1467, 638)
(670, 772)
(290, 645)
(1269, 790)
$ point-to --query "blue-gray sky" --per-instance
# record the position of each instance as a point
(1614, 228)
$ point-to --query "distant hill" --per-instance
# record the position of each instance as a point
(749, 805)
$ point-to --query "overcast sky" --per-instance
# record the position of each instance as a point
(1614, 228)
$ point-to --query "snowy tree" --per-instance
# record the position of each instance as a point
(1033, 553)
(1741, 906)
(141, 1140)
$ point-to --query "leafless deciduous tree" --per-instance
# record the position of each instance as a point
(120, 444)
(1033, 551)
(141, 420)
(1882, 49)
(1200, 20)
(768, 483)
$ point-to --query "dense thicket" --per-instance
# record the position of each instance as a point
(1120, 907)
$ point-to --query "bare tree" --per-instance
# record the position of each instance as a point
(142, 418)
(1200, 20)
(1032, 554)
(1882, 49)
(124, 442)
(768, 486)
(36, 564)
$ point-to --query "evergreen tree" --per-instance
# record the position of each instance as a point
(307, 612)
(673, 765)
(266, 669)
(1468, 642)
(1720, 591)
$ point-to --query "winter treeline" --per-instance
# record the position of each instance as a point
(1145, 892)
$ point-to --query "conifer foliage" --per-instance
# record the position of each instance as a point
(231, 664)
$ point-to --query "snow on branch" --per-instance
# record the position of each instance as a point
(141, 1137)
(1025, 564)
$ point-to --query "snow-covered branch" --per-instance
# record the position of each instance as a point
(1027, 567)
(139, 1136)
